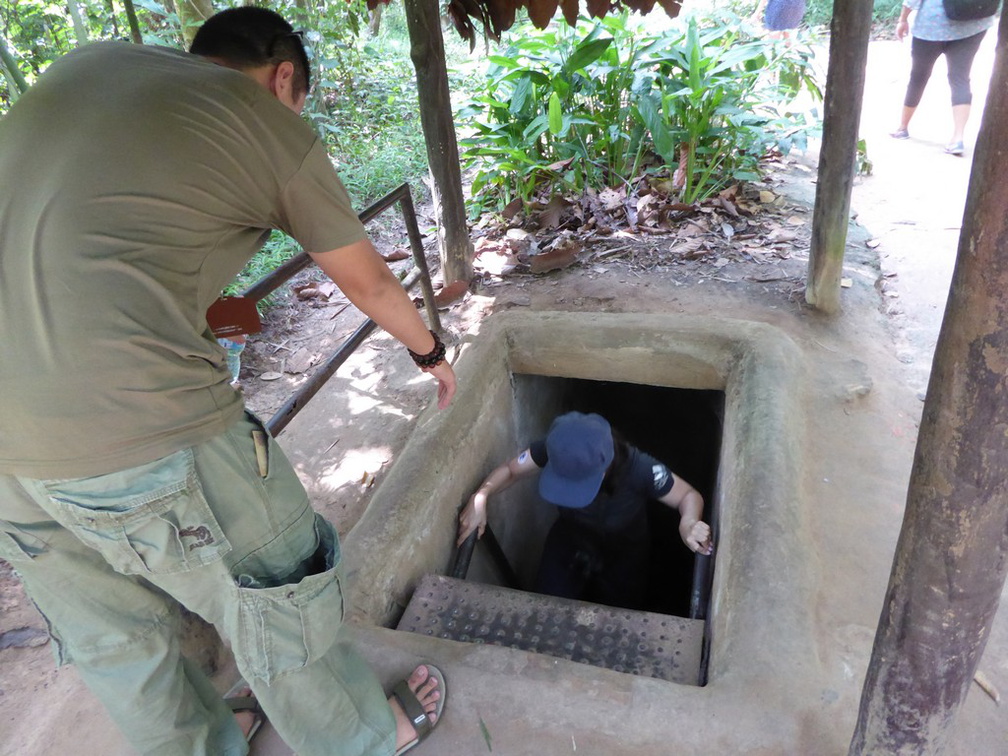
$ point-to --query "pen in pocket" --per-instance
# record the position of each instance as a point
(261, 452)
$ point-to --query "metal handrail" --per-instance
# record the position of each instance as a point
(420, 273)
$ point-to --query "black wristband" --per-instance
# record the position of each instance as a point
(433, 358)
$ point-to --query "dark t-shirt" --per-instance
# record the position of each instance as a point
(619, 511)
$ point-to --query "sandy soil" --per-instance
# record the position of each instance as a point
(353, 429)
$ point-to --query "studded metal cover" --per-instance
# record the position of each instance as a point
(640, 643)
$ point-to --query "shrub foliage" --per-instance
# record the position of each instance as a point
(602, 104)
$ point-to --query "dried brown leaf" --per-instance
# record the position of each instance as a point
(782, 235)
(611, 199)
(511, 209)
(728, 206)
(563, 254)
(307, 291)
(550, 215)
(540, 12)
(689, 248)
(450, 294)
(729, 193)
(300, 361)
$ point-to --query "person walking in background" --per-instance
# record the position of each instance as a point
(779, 17)
(935, 34)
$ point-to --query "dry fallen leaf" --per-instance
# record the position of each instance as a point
(729, 206)
(781, 235)
(300, 361)
(512, 208)
(610, 199)
(270, 376)
(766, 197)
(688, 248)
(450, 294)
(395, 255)
(550, 215)
(563, 254)
(308, 291)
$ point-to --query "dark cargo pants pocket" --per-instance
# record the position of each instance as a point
(283, 628)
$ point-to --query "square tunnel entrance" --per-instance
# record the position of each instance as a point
(712, 399)
(680, 427)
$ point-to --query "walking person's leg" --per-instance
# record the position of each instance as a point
(959, 55)
(923, 54)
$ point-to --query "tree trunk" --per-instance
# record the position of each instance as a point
(952, 554)
(427, 51)
(845, 80)
(80, 30)
(374, 20)
(192, 14)
(134, 24)
(16, 84)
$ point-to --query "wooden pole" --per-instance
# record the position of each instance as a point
(952, 555)
(845, 78)
(80, 29)
(134, 24)
(191, 15)
(423, 19)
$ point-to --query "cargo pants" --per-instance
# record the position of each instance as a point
(229, 534)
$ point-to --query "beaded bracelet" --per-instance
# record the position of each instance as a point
(433, 358)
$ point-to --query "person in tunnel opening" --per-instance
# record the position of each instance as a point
(599, 547)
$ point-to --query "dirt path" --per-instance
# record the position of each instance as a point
(913, 202)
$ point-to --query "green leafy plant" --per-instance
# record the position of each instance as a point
(563, 111)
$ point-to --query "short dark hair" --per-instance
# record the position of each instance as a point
(248, 36)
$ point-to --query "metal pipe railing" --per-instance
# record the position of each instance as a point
(401, 194)
(420, 273)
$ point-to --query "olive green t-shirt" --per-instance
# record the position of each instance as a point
(135, 182)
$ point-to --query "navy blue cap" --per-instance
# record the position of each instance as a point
(579, 448)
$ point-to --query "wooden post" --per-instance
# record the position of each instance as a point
(80, 29)
(423, 19)
(134, 24)
(952, 554)
(191, 15)
(848, 58)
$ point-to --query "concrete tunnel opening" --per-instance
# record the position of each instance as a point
(669, 638)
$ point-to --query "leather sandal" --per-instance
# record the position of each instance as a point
(238, 704)
(414, 709)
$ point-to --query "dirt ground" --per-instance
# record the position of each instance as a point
(899, 261)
